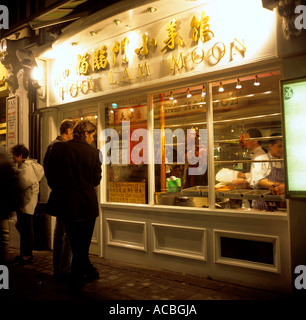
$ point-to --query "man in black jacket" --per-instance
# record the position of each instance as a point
(73, 172)
(62, 253)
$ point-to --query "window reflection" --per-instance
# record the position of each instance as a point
(181, 147)
(127, 151)
(245, 122)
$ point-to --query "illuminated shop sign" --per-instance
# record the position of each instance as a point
(193, 42)
(294, 113)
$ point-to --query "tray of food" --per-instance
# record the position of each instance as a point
(196, 191)
(256, 194)
(230, 193)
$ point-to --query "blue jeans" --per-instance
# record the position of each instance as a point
(62, 253)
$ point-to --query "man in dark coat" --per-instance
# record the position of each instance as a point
(73, 172)
(62, 253)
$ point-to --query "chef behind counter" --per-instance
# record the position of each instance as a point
(265, 174)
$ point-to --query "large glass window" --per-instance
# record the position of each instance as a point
(248, 148)
(180, 147)
(126, 152)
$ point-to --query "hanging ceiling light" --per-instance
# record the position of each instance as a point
(117, 22)
(256, 83)
(238, 85)
(188, 93)
(221, 89)
(203, 91)
(171, 96)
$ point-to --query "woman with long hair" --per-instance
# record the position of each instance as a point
(73, 171)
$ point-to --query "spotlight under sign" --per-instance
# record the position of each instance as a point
(294, 119)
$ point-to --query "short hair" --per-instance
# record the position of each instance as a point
(274, 140)
(82, 127)
(66, 124)
(255, 133)
(20, 149)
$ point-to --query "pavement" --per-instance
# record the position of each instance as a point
(122, 281)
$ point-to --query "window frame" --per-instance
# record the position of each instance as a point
(210, 140)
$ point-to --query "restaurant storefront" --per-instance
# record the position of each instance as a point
(174, 88)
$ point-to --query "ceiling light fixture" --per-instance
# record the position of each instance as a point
(117, 22)
(256, 83)
(189, 95)
(221, 89)
(171, 96)
(238, 85)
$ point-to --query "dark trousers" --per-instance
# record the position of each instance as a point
(80, 234)
(25, 229)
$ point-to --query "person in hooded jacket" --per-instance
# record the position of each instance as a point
(30, 173)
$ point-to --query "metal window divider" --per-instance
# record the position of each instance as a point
(210, 147)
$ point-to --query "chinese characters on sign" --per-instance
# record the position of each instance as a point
(127, 192)
(205, 33)
(12, 121)
(99, 59)
(144, 50)
(172, 35)
(88, 64)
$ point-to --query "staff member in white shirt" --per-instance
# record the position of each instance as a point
(270, 174)
(241, 179)
(257, 150)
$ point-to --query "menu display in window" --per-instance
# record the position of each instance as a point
(12, 122)
(127, 192)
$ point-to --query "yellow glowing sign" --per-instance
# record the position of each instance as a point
(115, 49)
(88, 63)
(124, 45)
(172, 35)
(83, 64)
(99, 59)
(205, 34)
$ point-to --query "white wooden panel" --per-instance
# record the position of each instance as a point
(127, 234)
(180, 241)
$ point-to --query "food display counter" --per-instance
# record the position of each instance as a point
(223, 196)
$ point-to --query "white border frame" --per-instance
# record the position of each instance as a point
(243, 263)
(190, 255)
(126, 244)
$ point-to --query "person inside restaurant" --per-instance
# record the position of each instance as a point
(270, 174)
